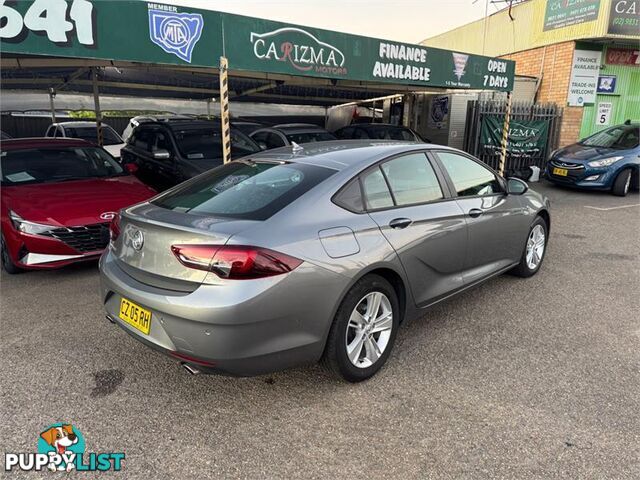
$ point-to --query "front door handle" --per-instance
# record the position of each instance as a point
(400, 223)
(475, 212)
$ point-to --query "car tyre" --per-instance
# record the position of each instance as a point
(622, 183)
(7, 263)
(354, 327)
(534, 250)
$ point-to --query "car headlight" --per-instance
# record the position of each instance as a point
(605, 162)
(29, 227)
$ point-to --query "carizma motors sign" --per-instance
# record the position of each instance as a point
(299, 49)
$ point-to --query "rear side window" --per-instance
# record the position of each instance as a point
(350, 197)
(376, 192)
(246, 190)
(412, 179)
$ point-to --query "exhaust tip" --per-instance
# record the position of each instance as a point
(190, 368)
(110, 318)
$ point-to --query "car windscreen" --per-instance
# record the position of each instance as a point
(620, 138)
(55, 164)
(390, 133)
(90, 134)
(245, 190)
(309, 137)
(197, 144)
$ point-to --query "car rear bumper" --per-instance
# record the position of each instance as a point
(241, 327)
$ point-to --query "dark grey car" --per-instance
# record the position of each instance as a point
(296, 255)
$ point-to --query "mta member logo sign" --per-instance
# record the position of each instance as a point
(61, 447)
(174, 32)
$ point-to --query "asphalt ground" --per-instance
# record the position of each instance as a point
(536, 378)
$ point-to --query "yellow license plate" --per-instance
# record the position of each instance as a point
(135, 315)
(560, 171)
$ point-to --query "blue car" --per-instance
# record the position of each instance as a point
(607, 160)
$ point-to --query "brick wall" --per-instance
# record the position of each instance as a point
(554, 61)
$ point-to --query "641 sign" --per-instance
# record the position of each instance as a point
(55, 18)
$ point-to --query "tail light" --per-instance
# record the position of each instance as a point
(114, 227)
(237, 262)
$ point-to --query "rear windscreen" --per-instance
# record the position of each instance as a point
(246, 190)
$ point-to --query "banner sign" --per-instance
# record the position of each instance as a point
(584, 77)
(564, 13)
(526, 137)
(152, 32)
(623, 56)
(624, 17)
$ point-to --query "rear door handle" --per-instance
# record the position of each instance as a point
(475, 212)
(400, 223)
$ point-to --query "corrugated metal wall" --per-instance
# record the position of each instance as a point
(626, 100)
(525, 32)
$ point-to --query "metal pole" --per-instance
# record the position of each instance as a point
(96, 102)
(52, 95)
(224, 109)
(505, 135)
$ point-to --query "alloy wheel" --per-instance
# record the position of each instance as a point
(535, 247)
(369, 329)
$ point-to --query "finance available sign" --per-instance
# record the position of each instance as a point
(584, 77)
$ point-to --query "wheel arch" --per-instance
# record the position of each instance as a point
(544, 213)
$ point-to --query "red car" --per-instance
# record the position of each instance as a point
(59, 196)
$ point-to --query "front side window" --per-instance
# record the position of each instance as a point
(469, 177)
(412, 179)
(246, 190)
(55, 164)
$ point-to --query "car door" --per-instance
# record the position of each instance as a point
(496, 221)
(138, 151)
(166, 171)
(411, 204)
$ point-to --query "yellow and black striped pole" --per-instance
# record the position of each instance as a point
(96, 102)
(505, 135)
(224, 110)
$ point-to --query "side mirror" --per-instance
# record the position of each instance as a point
(161, 154)
(515, 186)
(131, 168)
(262, 145)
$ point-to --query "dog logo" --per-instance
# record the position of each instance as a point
(137, 240)
(61, 443)
(175, 33)
(61, 448)
(107, 215)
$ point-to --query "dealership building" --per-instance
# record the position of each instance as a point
(583, 54)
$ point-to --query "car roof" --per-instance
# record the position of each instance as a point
(19, 143)
(378, 125)
(185, 123)
(297, 127)
(343, 154)
(79, 124)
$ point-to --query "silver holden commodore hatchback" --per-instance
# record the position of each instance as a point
(297, 255)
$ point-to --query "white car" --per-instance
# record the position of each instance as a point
(112, 142)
